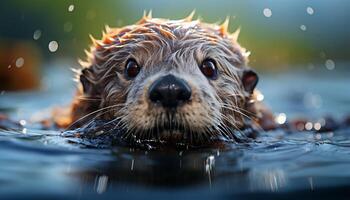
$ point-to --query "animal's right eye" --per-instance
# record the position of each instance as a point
(132, 69)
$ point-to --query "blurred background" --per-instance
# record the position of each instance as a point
(282, 35)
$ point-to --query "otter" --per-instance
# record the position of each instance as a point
(169, 80)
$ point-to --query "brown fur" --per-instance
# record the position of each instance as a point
(163, 46)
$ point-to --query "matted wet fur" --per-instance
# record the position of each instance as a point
(162, 47)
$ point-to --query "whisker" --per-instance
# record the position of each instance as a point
(91, 113)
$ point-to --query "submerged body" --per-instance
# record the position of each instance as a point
(169, 80)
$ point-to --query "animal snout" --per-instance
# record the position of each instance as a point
(169, 91)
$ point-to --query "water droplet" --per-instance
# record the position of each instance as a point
(53, 46)
(330, 65)
(209, 163)
(37, 34)
(317, 126)
(19, 62)
(8, 67)
(281, 118)
(260, 97)
(303, 27)
(22, 122)
(310, 10)
(67, 27)
(308, 126)
(267, 12)
(71, 8)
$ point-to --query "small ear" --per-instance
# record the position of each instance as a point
(87, 85)
(250, 80)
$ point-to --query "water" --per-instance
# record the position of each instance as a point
(37, 164)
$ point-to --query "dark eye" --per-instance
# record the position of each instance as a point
(208, 68)
(132, 68)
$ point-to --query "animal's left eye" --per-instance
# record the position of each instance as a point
(209, 69)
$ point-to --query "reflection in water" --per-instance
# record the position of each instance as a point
(267, 179)
(101, 183)
(311, 181)
(157, 169)
(209, 165)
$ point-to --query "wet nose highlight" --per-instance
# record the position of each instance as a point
(170, 91)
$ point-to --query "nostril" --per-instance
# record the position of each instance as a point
(169, 91)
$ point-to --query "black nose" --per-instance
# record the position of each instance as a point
(169, 91)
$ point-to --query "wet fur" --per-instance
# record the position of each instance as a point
(163, 46)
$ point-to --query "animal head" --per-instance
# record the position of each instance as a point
(168, 80)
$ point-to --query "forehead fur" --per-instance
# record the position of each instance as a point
(158, 37)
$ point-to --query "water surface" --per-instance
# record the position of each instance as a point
(38, 164)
